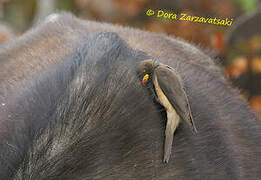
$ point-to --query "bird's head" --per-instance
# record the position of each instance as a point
(146, 69)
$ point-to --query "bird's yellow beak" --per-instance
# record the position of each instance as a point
(145, 79)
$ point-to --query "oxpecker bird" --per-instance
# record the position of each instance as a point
(169, 89)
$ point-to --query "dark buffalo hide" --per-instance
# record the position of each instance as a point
(73, 107)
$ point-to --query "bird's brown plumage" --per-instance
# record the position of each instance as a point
(170, 94)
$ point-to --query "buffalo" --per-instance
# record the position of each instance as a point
(72, 106)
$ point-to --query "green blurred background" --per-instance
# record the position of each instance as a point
(238, 46)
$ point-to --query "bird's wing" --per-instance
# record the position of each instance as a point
(172, 86)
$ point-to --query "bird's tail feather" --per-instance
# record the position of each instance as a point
(172, 123)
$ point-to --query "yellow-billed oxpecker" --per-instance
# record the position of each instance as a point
(170, 94)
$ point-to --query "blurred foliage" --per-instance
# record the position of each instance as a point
(68, 5)
(19, 13)
(242, 61)
(248, 5)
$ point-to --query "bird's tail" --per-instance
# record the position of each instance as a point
(172, 123)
